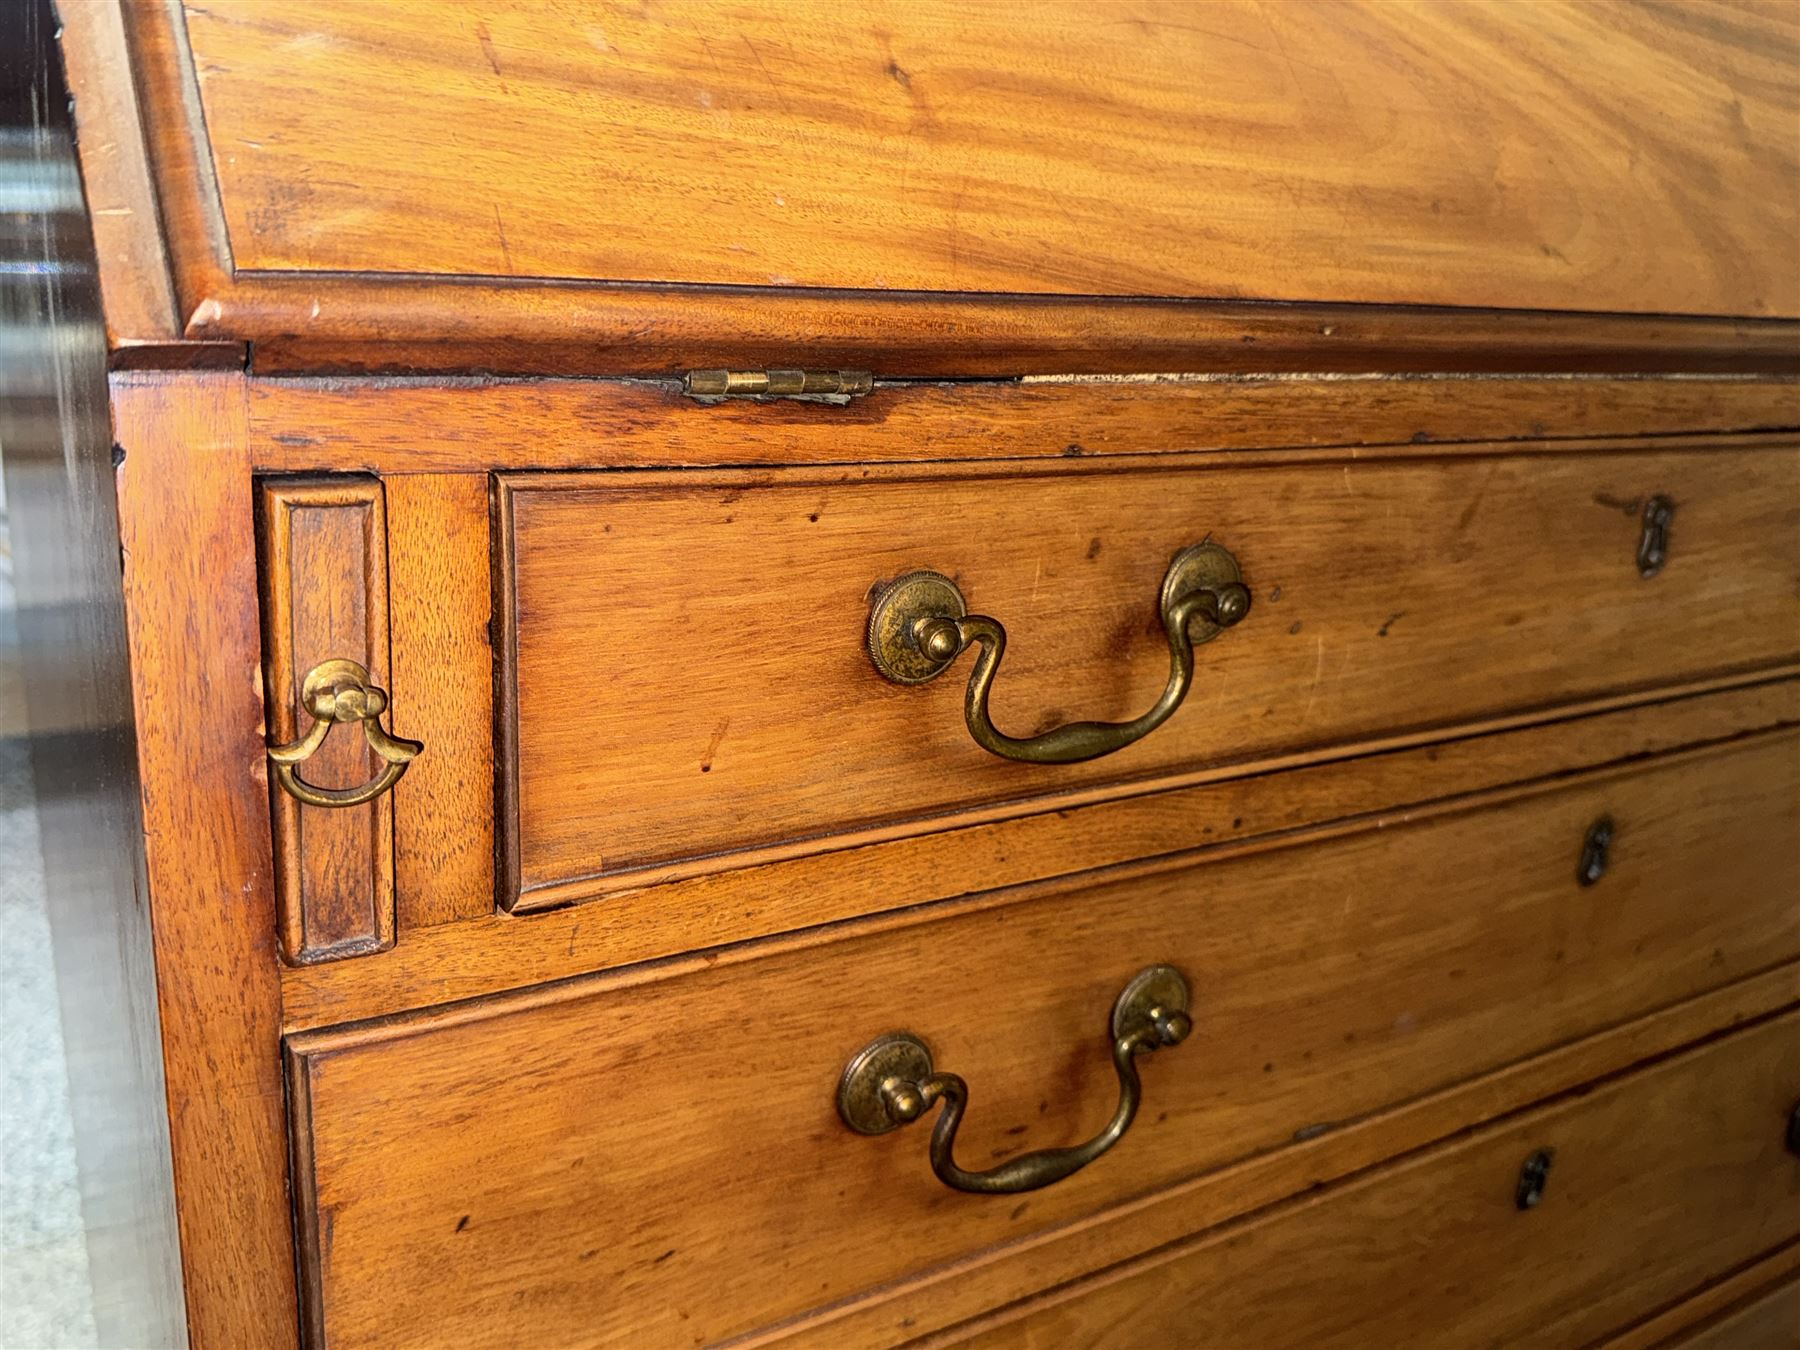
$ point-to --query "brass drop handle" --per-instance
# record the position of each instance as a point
(340, 691)
(919, 625)
(892, 1083)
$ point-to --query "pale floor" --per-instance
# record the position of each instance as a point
(45, 1300)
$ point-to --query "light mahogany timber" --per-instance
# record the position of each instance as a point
(474, 426)
(381, 321)
(190, 602)
(1770, 1321)
(324, 562)
(174, 131)
(443, 696)
(1661, 1180)
(1332, 979)
(379, 325)
(1739, 1299)
(940, 1299)
(685, 686)
(1411, 308)
(1435, 155)
(137, 292)
(1226, 810)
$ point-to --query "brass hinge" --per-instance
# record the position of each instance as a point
(825, 386)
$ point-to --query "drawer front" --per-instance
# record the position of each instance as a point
(625, 1160)
(1655, 1183)
(685, 681)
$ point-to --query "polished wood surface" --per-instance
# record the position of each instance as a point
(137, 292)
(1220, 813)
(1770, 1321)
(1660, 1182)
(474, 426)
(1717, 1305)
(1413, 309)
(323, 549)
(437, 549)
(1308, 1014)
(190, 602)
(1391, 594)
(383, 321)
(1433, 155)
(913, 1309)
(377, 325)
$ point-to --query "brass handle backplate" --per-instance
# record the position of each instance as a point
(891, 1083)
(340, 691)
(919, 625)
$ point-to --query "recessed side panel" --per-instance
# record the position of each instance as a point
(323, 545)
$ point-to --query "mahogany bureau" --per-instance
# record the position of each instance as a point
(1003, 675)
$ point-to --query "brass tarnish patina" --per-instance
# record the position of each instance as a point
(1534, 1176)
(1594, 850)
(891, 1083)
(824, 386)
(919, 625)
(340, 691)
(1653, 545)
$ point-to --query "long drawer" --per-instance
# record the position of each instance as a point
(648, 1161)
(685, 681)
(1548, 1231)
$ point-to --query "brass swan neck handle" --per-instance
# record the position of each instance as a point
(334, 692)
(892, 1083)
(919, 625)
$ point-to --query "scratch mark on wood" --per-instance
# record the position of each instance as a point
(773, 86)
(493, 58)
(1392, 619)
(712, 746)
(505, 252)
(1312, 694)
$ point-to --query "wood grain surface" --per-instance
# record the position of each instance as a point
(443, 696)
(473, 426)
(911, 1310)
(1660, 1182)
(323, 553)
(137, 291)
(301, 323)
(1769, 1321)
(685, 684)
(1218, 814)
(1710, 1317)
(1548, 156)
(1332, 980)
(387, 321)
(190, 601)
